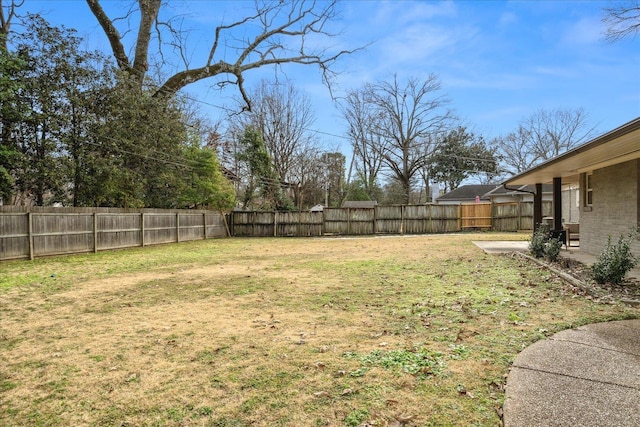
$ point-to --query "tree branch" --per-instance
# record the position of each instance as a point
(112, 34)
(622, 20)
(148, 15)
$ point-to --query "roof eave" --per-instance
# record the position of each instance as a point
(569, 165)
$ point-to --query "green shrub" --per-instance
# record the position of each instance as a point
(542, 245)
(615, 261)
(552, 249)
(539, 241)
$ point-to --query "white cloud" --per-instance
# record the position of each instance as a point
(507, 19)
(416, 43)
(405, 12)
(560, 72)
(585, 31)
(488, 80)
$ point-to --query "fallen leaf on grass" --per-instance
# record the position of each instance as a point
(464, 392)
(400, 420)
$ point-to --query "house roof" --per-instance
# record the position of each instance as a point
(468, 192)
(619, 145)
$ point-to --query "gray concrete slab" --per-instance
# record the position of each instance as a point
(622, 336)
(540, 399)
(589, 376)
(498, 247)
(585, 361)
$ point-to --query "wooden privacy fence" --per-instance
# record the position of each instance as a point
(35, 232)
(405, 219)
(477, 215)
(516, 216)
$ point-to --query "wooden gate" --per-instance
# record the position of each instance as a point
(475, 215)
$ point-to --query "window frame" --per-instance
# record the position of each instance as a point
(588, 189)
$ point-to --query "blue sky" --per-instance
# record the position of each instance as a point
(498, 62)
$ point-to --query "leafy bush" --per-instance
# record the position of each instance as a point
(539, 241)
(615, 261)
(542, 245)
(552, 249)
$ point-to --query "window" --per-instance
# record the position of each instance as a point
(589, 190)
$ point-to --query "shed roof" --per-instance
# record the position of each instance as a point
(619, 145)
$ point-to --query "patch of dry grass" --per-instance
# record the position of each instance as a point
(306, 332)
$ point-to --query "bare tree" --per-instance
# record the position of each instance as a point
(284, 30)
(406, 118)
(283, 115)
(7, 13)
(367, 159)
(622, 20)
(556, 131)
(543, 135)
(516, 153)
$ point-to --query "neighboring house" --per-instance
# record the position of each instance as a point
(466, 194)
(607, 172)
(518, 193)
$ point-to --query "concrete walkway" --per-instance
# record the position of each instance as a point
(588, 376)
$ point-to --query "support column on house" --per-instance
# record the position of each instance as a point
(537, 207)
(557, 203)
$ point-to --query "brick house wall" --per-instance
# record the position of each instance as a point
(615, 208)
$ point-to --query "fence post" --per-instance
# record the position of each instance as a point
(375, 220)
(224, 219)
(177, 227)
(401, 219)
(142, 229)
(275, 223)
(491, 215)
(30, 236)
(95, 232)
(253, 224)
(204, 224)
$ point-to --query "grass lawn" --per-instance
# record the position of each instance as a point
(392, 331)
